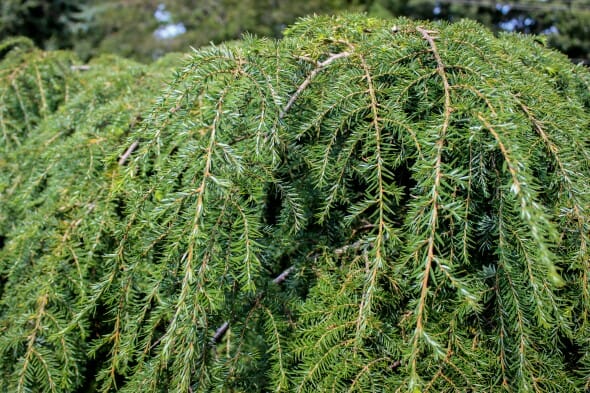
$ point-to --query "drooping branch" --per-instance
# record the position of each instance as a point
(433, 222)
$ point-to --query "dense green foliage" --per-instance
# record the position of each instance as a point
(59, 125)
(364, 205)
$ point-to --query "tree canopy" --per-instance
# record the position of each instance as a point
(364, 205)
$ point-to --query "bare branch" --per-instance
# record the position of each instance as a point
(344, 249)
(319, 66)
(128, 152)
(283, 276)
(220, 332)
(83, 67)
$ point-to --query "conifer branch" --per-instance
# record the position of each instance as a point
(317, 367)
(434, 200)
(31, 351)
(554, 151)
(367, 367)
(504, 269)
(44, 108)
(478, 94)
(320, 65)
(517, 187)
(370, 286)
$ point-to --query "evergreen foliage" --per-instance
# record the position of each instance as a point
(55, 215)
(34, 84)
(364, 205)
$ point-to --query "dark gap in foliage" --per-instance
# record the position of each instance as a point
(489, 303)
(159, 250)
(149, 170)
(413, 104)
(40, 187)
(90, 369)
(403, 176)
(545, 173)
(180, 180)
(103, 124)
(285, 261)
(303, 259)
(179, 183)
(562, 85)
(273, 205)
(68, 131)
(572, 352)
(485, 237)
(173, 152)
(99, 322)
(120, 207)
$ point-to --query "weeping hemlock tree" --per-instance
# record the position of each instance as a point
(361, 206)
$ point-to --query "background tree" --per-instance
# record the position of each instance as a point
(134, 29)
(127, 27)
(564, 24)
(51, 24)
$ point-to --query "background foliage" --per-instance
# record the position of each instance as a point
(127, 27)
(364, 205)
